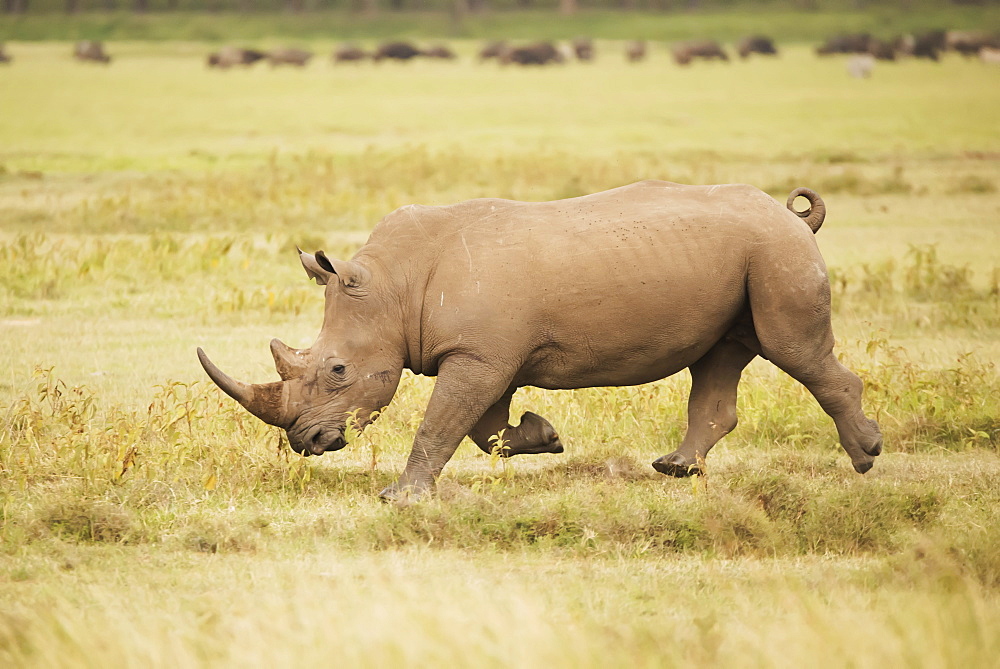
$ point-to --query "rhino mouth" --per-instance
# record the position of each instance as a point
(316, 440)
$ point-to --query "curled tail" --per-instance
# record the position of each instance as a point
(816, 212)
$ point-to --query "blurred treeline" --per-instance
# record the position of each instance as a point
(802, 21)
(462, 6)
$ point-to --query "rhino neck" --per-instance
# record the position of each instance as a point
(407, 246)
(400, 326)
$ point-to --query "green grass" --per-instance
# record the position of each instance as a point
(153, 206)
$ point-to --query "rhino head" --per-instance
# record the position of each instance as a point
(353, 367)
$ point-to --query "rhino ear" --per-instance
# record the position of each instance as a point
(322, 268)
(314, 269)
(351, 274)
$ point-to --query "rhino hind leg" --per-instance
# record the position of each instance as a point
(711, 406)
(838, 391)
(533, 435)
(792, 322)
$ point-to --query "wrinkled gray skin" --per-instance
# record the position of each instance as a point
(617, 288)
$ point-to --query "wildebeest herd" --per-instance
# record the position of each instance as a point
(864, 47)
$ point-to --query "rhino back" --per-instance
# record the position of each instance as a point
(616, 288)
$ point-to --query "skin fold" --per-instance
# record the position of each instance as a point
(622, 287)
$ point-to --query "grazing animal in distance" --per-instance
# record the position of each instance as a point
(492, 50)
(231, 56)
(617, 288)
(881, 50)
(540, 53)
(635, 50)
(289, 56)
(439, 51)
(924, 45)
(583, 49)
(969, 42)
(4, 56)
(705, 49)
(349, 53)
(758, 44)
(853, 43)
(401, 51)
(860, 65)
(90, 51)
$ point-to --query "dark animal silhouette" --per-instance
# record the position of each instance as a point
(856, 43)
(231, 56)
(583, 48)
(635, 50)
(349, 53)
(758, 44)
(969, 42)
(396, 51)
(705, 49)
(540, 53)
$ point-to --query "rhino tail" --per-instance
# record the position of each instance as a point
(816, 212)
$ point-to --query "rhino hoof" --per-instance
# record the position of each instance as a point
(540, 432)
(863, 466)
(676, 465)
(553, 446)
(408, 496)
(876, 440)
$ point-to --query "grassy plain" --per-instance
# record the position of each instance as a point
(153, 206)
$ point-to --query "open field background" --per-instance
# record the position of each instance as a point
(153, 206)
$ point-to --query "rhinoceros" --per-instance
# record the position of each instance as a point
(622, 287)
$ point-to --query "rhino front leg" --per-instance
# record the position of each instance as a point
(711, 406)
(465, 389)
(533, 435)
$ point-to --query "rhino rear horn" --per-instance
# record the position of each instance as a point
(267, 401)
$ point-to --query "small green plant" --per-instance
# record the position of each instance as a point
(498, 460)
(355, 430)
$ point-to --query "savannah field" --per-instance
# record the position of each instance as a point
(153, 206)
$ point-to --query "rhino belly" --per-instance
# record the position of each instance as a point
(629, 340)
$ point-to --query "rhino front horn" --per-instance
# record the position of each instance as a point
(266, 401)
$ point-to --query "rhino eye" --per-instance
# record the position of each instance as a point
(338, 369)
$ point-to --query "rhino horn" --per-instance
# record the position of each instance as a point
(289, 362)
(266, 401)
